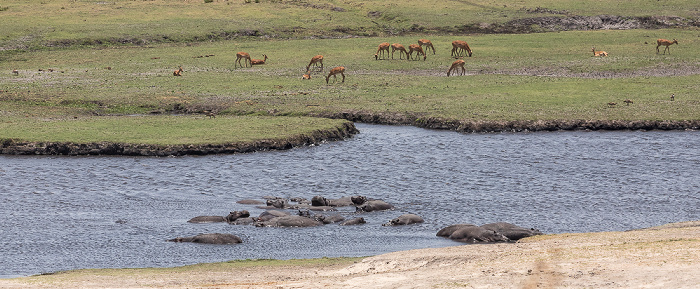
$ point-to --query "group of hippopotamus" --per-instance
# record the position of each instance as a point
(274, 216)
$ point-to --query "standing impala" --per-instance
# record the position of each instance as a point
(458, 46)
(666, 43)
(315, 61)
(380, 51)
(242, 55)
(417, 49)
(336, 70)
(400, 48)
(428, 45)
(458, 63)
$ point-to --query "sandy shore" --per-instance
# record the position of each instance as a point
(660, 257)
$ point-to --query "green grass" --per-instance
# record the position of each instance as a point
(35, 23)
(163, 130)
(540, 76)
(64, 71)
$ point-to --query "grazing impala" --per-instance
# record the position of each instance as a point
(599, 53)
(258, 61)
(458, 63)
(336, 70)
(666, 43)
(428, 45)
(315, 61)
(380, 51)
(400, 48)
(178, 72)
(458, 46)
(242, 55)
(417, 49)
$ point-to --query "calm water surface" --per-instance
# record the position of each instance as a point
(62, 213)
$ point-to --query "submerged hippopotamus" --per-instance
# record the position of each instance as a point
(207, 219)
(271, 214)
(290, 221)
(235, 215)
(405, 219)
(319, 201)
(214, 238)
(511, 231)
(374, 205)
(355, 221)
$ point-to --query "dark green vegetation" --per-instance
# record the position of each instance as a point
(83, 60)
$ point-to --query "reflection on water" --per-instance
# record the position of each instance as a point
(64, 213)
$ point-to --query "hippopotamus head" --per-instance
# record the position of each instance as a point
(232, 216)
(358, 200)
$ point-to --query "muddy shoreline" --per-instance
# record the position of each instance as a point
(18, 147)
(486, 126)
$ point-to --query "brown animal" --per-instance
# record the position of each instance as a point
(673, 97)
(417, 49)
(628, 101)
(210, 113)
(611, 104)
(458, 63)
(380, 51)
(666, 43)
(178, 72)
(315, 61)
(458, 46)
(258, 61)
(15, 72)
(307, 75)
(428, 45)
(599, 53)
(336, 70)
(400, 48)
(245, 56)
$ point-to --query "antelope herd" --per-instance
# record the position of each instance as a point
(460, 49)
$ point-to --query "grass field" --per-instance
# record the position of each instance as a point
(540, 76)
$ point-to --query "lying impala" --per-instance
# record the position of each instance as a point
(666, 43)
(178, 72)
(258, 61)
(599, 53)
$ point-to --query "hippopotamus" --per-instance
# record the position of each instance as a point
(374, 205)
(319, 201)
(355, 221)
(405, 219)
(215, 238)
(207, 219)
(270, 214)
(472, 234)
(235, 215)
(329, 219)
(290, 221)
(447, 231)
(250, 202)
(511, 231)
(277, 203)
(358, 200)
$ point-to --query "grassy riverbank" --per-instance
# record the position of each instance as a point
(81, 60)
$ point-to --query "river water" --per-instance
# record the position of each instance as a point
(61, 213)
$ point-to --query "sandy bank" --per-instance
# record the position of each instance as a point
(661, 257)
